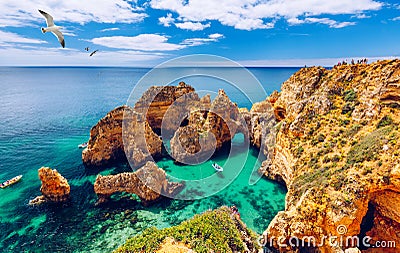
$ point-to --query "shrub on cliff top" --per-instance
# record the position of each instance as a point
(350, 95)
(212, 231)
(368, 148)
(385, 121)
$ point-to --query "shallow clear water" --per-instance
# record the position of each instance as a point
(47, 112)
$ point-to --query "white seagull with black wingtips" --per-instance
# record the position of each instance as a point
(51, 27)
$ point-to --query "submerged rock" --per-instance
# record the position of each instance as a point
(55, 188)
(149, 183)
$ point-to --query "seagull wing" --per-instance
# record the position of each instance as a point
(60, 37)
(49, 18)
(92, 53)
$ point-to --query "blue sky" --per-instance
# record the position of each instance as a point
(251, 32)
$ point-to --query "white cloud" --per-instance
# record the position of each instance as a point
(18, 13)
(166, 21)
(9, 38)
(331, 23)
(396, 19)
(142, 42)
(200, 41)
(295, 21)
(152, 42)
(192, 26)
(252, 14)
(216, 36)
(109, 29)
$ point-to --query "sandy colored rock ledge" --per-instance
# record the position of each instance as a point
(149, 183)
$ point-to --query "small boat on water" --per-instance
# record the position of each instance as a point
(10, 181)
(217, 167)
(83, 145)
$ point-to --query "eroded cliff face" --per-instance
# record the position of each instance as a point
(337, 151)
(149, 183)
(106, 143)
(209, 126)
(135, 128)
(55, 188)
(155, 102)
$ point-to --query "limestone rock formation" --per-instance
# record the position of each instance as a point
(155, 102)
(106, 144)
(135, 129)
(140, 142)
(337, 151)
(149, 183)
(262, 126)
(209, 127)
(55, 188)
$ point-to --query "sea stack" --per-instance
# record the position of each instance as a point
(55, 188)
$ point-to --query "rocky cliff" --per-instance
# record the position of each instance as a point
(55, 188)
(149, 183)
(337, 151)
(198, 126)
(260, 121)
(106, 143)
(155, 102)
(209, 126)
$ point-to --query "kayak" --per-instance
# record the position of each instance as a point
(10, 181)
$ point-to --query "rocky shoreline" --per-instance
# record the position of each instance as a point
(337, 151)
(330, 136)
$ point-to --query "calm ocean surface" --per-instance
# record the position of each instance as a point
(47, 112)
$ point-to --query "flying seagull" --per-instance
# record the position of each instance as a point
(92, 53)
(51, 27)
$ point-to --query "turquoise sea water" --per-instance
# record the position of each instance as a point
(47, 112)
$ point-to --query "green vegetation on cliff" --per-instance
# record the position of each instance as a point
(212, 231)
(338, 152)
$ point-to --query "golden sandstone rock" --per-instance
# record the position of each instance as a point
(106, 143)
(331, 136)
(55, 188)
(337, 151)
(149, 183)
(207, 129)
